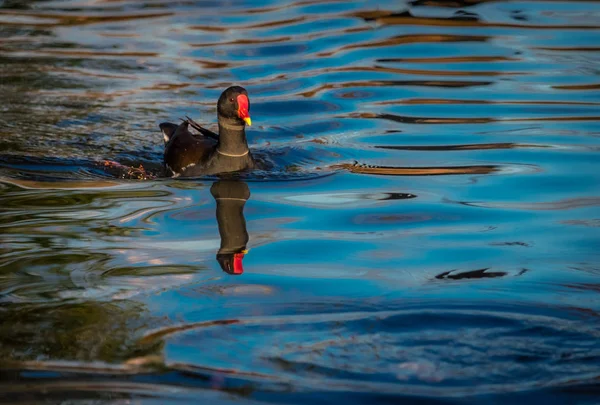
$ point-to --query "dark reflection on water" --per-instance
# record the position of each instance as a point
(230, 197)
(427, 230)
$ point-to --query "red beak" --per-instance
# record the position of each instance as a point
(238, 268)
(243, 107)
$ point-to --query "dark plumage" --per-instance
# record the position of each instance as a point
(188, 154)
(231, 196)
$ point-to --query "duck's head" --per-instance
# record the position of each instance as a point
(231, 263)
(234, 104)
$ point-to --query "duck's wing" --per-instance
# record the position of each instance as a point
(168, 129)
(185, 150)
(206, 132)
(183, 136)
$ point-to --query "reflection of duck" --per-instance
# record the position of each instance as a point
(231, 196)
(193, 155)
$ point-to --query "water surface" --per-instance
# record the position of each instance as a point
(429, 231)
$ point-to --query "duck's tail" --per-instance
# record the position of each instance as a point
(168, 129)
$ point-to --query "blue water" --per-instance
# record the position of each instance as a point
(427, 231)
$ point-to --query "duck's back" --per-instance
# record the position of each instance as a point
(184, 150)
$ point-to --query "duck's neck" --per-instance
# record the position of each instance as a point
(231, 196)
(232, 225)
(232, 138)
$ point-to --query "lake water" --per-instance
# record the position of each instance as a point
(429, 231)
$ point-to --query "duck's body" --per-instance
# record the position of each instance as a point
(188, 154)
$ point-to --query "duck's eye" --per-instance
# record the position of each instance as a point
(231, 99)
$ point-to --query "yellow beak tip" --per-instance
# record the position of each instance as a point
(248, 121)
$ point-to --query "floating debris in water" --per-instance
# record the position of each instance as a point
(127, 172)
